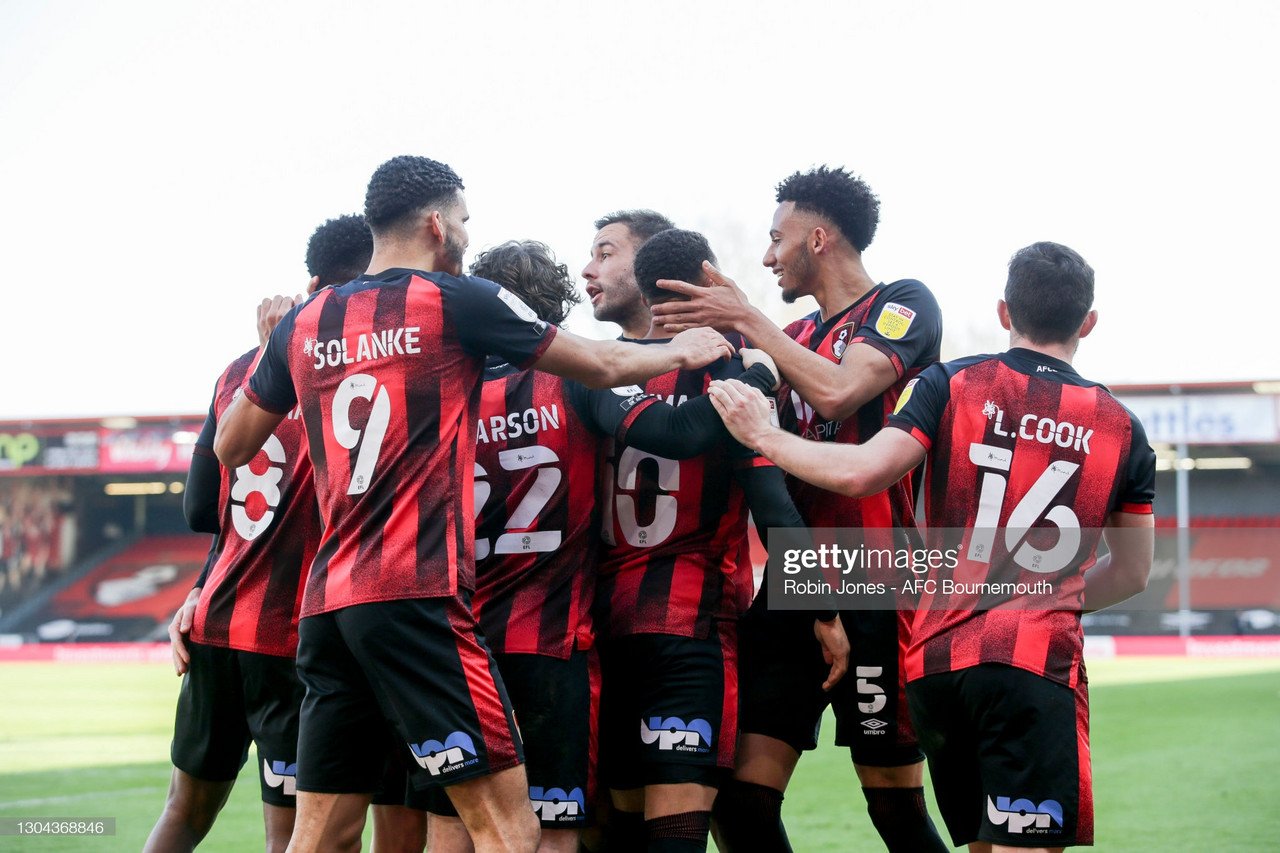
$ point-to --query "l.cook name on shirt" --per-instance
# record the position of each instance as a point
(368, 347)
(1033, 427)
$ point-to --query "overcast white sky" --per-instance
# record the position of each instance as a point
(162, 164)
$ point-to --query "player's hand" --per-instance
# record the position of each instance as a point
(752, 356)
(271, 312)
(835, 649)
(721, 306)
(700, 347)
(743, 409)
(178, 630)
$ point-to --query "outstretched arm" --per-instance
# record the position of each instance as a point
(608, 364)
(853, 470)
(834, 390)
(691, 428)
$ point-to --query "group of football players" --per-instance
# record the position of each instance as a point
(494, 579)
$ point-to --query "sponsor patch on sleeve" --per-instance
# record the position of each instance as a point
(906, 395)
(894, 320)
(517, 306)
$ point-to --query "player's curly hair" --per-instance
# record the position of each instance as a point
(671, 254)
(840, 197)
(1049, 292)
(339, 250)
(405, 185)
(642, 224)
(529, 269)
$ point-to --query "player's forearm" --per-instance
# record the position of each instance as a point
(819, 382)
(242, 431)
(1109, 582)
(834, 467)
(615, 363)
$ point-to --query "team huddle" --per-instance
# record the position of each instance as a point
(490, 581)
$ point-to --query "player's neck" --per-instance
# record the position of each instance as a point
(403, 256)
(843, 283)
(640, 326)
(654, 332)
(1062, 352)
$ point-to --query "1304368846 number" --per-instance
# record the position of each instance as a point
(57, 826)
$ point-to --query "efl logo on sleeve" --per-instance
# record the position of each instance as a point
(895, 320)
(906, 395)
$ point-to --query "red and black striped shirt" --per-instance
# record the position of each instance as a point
(675, 556)
(901, 320)
(1026, 461)
(269, 530)
(535, 501)
(387, 370)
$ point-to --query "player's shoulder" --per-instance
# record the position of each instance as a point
(968, 362)
(239, 368)
(910, 291)
(808, 321)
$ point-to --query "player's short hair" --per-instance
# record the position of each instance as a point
(529, 270)
(339, 250)
(672, 254)
(842, 198)
(642, 224)
(1049, 292)
(405, 185)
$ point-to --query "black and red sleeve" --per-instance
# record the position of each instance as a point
(922, 403)
(1138, 487)
(905, 323)
(491, 320)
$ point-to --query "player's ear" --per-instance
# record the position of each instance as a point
(435, 225)
(818, 239)
(1090, 320)
(313, 285)
(1002, 311)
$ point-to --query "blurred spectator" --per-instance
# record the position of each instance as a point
(37, 534)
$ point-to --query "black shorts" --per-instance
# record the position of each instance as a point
(668, 708)
(229, 698)
(415, 667)
(556, 705)
(783, 671)
(1008, 755)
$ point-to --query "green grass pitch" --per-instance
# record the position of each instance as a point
(1185, 757)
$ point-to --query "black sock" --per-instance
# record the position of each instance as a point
(624, 832)
(678, 833)
(902, 819)
(749, 818)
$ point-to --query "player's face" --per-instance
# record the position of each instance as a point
(611, 276)
(456, 238)
(788, 255)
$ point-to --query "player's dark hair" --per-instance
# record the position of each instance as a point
(405, 185)
(642, 224)
(840, 197)
(529, 270)
(339, 250)
(1049, 292)
(673, 254)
